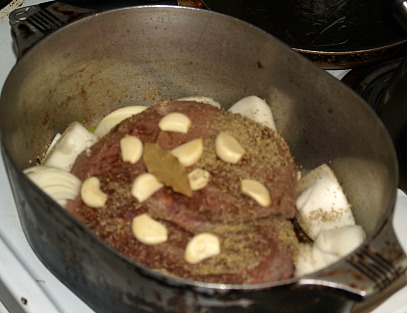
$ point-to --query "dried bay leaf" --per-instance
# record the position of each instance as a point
(166, 168)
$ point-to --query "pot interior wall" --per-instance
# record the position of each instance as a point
(141, 55)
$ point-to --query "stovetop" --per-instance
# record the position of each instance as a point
(25, 283)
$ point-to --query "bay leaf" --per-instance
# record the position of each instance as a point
(166, 168)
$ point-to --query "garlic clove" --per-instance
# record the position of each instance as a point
(189, 153)
(59, 184)
(198, 178)
(148, 230)
(175, 122)
(75, 139)
(201, 99)
(340, 241)
(131, 149)
(144, 186)
(114, 118)
(256, 191)
(91, 193)
(228, 149)
(256, 109)
(201, 247)
(321, 202)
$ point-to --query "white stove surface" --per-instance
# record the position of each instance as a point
(27, 286)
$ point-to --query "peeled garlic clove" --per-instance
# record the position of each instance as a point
(256, 190)
(75, 139)
(201, 247)
(227, 148)
(115, 117)
(201, 99)
(198, 178)
(148, 230)
(310, 259)
(59, 184)
(131, 148)
(144, 186)
(340, 241)
(256, 109)
(91, 193)
(175, 122)
(190, 152)
(322, 204)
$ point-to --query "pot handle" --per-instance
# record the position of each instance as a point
(32, 23)
(368, 270)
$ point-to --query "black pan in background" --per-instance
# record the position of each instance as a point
(334, 33)
(3, 3)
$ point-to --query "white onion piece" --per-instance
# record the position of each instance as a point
(340, 241)
(55, 182)
(256, 109)
(310, 259)
(115, 117)
(322, 204)
(52, 144)
(75, 139)
(201, 99)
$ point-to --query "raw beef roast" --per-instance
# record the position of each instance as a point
(257, 243)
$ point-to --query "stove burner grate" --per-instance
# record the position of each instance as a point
(372, 82)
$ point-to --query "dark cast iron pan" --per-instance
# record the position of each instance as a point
(333, 33)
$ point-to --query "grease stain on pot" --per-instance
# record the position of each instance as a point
(25, 32)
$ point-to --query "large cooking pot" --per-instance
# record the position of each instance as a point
(140, 55)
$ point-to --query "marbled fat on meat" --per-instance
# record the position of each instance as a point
(257, 243)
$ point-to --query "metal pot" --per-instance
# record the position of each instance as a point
(140, 55)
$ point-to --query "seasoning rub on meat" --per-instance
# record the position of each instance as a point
(234, 226)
